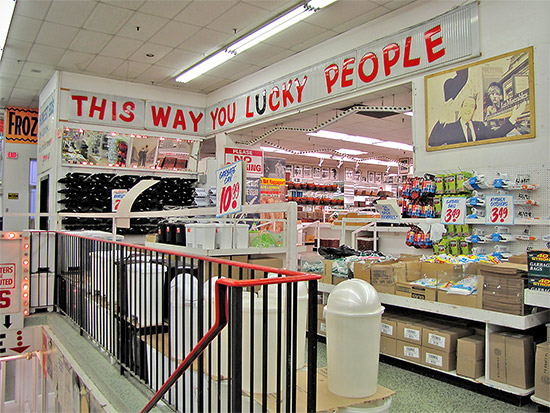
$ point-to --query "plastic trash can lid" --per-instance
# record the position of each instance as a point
(354, 298)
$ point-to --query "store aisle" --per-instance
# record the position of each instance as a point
(416, 393)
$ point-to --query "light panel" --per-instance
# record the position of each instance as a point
(6, 13)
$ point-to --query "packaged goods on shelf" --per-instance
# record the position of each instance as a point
(470, 352)
(512, 359)
(388, 346)
(438, 359)
(538, 268)
(542, 371)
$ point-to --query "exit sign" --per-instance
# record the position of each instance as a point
(12, 155)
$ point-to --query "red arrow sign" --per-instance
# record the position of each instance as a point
(19, 349)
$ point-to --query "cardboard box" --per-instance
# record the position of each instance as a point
(470, 356)
(497, 357)
(361, 270)
(471, 347)
(410, 331)
(538, 263)
(383, 277)
(388, 346)
(416, 291)
(337, 279)
(542, 371)
(438, 359)
(444, 272)
(443, 339)
(388, 327)
(520, 360)
(503, 294)
(408, 351)
(327, 271)
(472, 300)
(322, 327)
(264, 261)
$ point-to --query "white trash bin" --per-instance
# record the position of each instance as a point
(224, 236)
(145, 298)
(354, 316)
(240, 236)
(184, 293)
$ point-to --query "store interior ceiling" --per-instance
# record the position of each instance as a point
(152, 41)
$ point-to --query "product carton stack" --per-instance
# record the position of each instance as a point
(388, 334)
(439, 346)
(542, 371)
(409, 339)
(538, 263)
(511, 359)
(383, 277)
(503, 286)
(470, 352)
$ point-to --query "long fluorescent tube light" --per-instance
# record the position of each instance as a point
(275, 150)
(346, 151)
(263, 33)
(395, 145)
(7, 8)
(361, 139)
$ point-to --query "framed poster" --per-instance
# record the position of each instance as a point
(316, 172)
(289, 168)
(403, 166)
(490, 101)
(325, 173)
(378, 177)
(298, 172)
(350, 174)
(307, 172)
(357, 176)
(333, 174)
(371, 177)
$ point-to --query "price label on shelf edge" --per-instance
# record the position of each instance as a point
(499, 210)
(453, 211)
(229, 189)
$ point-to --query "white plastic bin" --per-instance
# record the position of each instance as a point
(145, 298)
(240, 236)
(184, 293)
(203, 236)
(224, 236)
(354, 316)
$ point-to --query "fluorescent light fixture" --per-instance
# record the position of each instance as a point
(263, 33)
(409, 113)
(6, 13)
(378, 162)
(275, 150)
(319, 155)
(395, 145)
(344, 137)
(350, 151)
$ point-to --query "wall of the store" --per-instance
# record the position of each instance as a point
(504, 27)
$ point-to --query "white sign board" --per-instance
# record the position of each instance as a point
(389, 211)
(254, 160)
(453, 210)
(117, 195)
(499, 210)
(229, 189)
(11, 321)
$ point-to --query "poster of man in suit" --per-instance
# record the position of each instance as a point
(489, 101)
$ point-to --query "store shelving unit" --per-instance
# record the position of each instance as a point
(537, 298)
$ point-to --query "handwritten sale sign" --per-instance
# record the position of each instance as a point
(453, 211)
(229, 189)
(499, 209)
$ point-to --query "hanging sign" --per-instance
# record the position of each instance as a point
(499, 210)
(21, 125)
(453, 210)
(254, 160)
(229, 189)
(389, 211)
(117, 195)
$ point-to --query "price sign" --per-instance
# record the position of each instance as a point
(453, 211)
(499, 210)
(229, 189)
(389, 211)
(117, 195)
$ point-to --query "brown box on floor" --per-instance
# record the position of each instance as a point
(542, 371)
(438, 359)
(409, 330)
(470, 356)
(409, 351)
(443, 338)
(388, 345)
(382, 277)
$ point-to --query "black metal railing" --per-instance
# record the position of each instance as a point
(150, 308)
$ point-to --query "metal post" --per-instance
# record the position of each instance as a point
(236, 349)
(312, 348)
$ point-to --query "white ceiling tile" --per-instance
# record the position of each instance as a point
(56, 35)
(364, 18)
(272, 4)
(277, 57)
(174, 33)
(245, 72)
(24, 28)
(45, 54)
(16, 49)
(130, 70)
(88, 41)
(157, 51)
(154, 73)
(75, 61)
(295, 35)
(258, 54)
(31, 83)
(164, 8)
(121, 47)
(127, 4)
(11, 66)
(199, 15)
(102, 65)
(396, 4)
(204, 41)
(23, 101)
(347, 10)
(35, 9)
(233, 20)
(148, 25)
(37, 70)
(7, 79)
(107, 19)
(231, 68)
(306, 44)
(179, 59)
(70, 12)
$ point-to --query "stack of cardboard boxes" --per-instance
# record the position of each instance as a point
(511, 359)
(503, 287)
(542, 371)
(470, 356)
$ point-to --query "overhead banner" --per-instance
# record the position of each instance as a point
(449, 38)
(21, 125)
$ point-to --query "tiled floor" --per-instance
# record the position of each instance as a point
(418, 393)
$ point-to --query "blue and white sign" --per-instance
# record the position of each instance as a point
(499, 210)
(229, 189)
(389, 211)
(453, 210)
